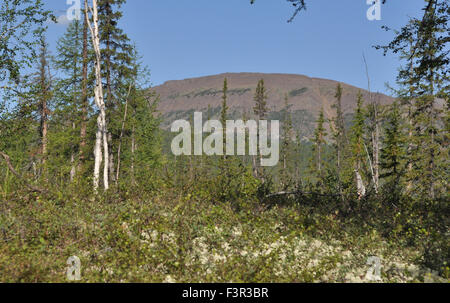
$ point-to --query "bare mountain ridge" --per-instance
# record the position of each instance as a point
(307, 96)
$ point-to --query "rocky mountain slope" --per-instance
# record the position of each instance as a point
(307, 96)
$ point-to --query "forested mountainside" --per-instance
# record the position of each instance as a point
(306, 97)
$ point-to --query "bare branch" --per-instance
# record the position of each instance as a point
(15, 173)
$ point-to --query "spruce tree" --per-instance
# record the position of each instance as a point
(393, 151)
(428, 79)
(340, 134)
(223, 115)
(286, 146)
(357, 144)
(71, 108)
(260, 110)
(117, 51)
(318, 143)
(117, 54)
(42, 94)
(340, 138)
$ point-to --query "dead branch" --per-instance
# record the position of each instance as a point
(19, 176)
(300, 193)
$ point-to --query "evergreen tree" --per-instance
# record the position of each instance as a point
(22, 24)
(407, 95)
(139, 140)
(45, 95)
(340, 135)
(357, 144)
(393, 151)
(117, 51)
(41, 94)
(117, 54)
(69, 110)
(373, 126)
(340, 138)
(260, 110)
(145, 137)
(286, 146)
(318, 143)
(427, 77)
(223, 114)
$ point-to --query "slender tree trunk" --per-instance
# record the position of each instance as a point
(102, 131)
(376, 149)
(109, 105)
(112, 175)
(410, 147)
(259, 173)
(121, 134)
(360, 185)
(109, 97)
(255, 168)
(72, 160)
(375, 133)
(339, 171)
(98, 152)
(43, 105)
(73, 169)
(319, 158)
(44, 130)
(432, 151)
(133, 149)
(410, 121)
(84, 93)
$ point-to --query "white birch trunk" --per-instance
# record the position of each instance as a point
(97, 153)
(102, 132)
(360, 185)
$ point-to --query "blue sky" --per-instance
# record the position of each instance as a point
(181, 39)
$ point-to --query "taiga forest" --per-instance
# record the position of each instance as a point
(89, 177)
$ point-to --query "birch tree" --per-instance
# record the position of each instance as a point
(101, 133)
(117, 67)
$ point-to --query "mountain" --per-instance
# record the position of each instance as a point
(307, 96)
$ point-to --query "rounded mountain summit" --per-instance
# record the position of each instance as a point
(179, 99)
